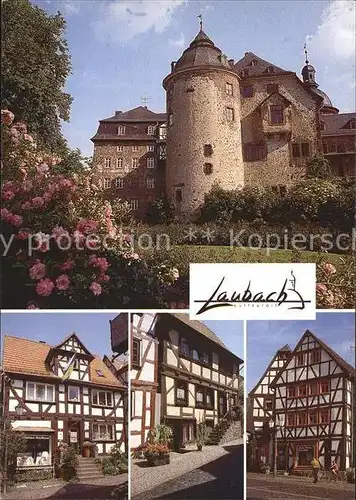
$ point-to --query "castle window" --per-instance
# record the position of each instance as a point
(150, 148)
(254, 62)
(322, 126)
(150, 130)
(276, 114)
(179, 196)
(181, 393)
(208, 168)
(162, 132)
(101, 398)
(134, 204)
(107, 162)
(134, 148)
(150, 183)
(325, 147)
(119, 163)
(136, 353)
(107, 183)
(300, 150)
(229, 89)
(245, 72)
(119, 182)
(150, 163)
(208, 149)
(162, 152)
(170, 119)
(247, 90)
(190, 90)
(230, 114)
(272, 87)
(270, 69)
(73, 393)
(351, 124)
(120, 149)
(282, 190)
(134, 162)
(315, 356)
(254, 152)
(121, 130)
(300, 359)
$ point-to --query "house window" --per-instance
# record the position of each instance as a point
(272, 87)
(37, 451)
(121, 130)
(150, 163)
(170, 119)
(107, 162)
(324, 417)
(302, 390)
(255, 152)
(208, 168)
(301, 419)
(134, 162)
(313, 418)
(209, 398)
(120, 162)
(300, 359)
(179, 196)
(300, 150)
(39, 392)
(103, 432)
(150, 183)
(291, 420)
(73, 393)
(134, 148)
(150, 130)
(268, 404)
(119, 182)
(107, 183)
(204, 358)
(134, 204)
(195, 354)
(247, 90)
(136, 353)
(150, 148)
(313, 388)
(199, 396)
(324, 387)
(230, 114)
(162, 132)
(322, 126)
(120, 149)
(101, 398)
(276, 114)
(208, 149)
(315, 356)
(291, 392)
(229, 89)
(181, 392)
(184, 347)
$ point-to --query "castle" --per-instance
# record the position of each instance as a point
(227, 123)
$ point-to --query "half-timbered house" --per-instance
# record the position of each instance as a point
(314, 400)
(261, 407)
(60, 393)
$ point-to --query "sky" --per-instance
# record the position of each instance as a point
(121, 50)
(264, 338)
(93, 329)
(231, 333)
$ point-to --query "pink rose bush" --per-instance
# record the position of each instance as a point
(63, 242)
(335, 285)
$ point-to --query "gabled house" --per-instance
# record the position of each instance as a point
(60, 393)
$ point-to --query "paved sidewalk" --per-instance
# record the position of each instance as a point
(339, 485)
(144, 478)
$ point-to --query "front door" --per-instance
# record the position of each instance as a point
(222, 404)
(74, 435)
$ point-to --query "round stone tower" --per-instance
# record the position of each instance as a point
(203, 125)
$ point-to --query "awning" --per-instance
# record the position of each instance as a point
(33, 429)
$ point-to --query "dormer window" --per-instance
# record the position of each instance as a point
(270, 69)
(150, 130)
(245, 72)
(351, 124)
(276, 114)
(254, 62)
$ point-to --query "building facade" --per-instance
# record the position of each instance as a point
(311, 409)
(228, 124)
(57, 394)
(182, 374)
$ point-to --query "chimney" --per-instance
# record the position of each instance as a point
(173, 63)
(231, 61)
(117, 113)
(42, 342)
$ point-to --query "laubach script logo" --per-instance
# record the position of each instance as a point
(287, 293)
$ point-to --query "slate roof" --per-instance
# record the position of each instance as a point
(334, 124)
(139, 114)
(259, 68)
(28, 357)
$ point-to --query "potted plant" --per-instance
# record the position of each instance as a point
(163, 433)
(157, 454)
(202, 434)
(87, 447)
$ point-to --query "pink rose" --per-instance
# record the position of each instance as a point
(58, 231)
(104, 277)
(27, 186)
(5, 213)
(23, 173)
(95, 288)
(92, 259)
(47, 197)
(26, 206)
(43, 168)
(87, 226)
(14, 220)
(31, 306)
(21, 127)
(322, 289)
(28, 138)
(102, 264)
(37, 271)
(8, 195)
(37, 202)
(7, 117)
(328, 268)
(44, 287)
(66, 266)
(62, 282)
(22, 234)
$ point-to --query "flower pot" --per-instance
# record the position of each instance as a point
(86, 452)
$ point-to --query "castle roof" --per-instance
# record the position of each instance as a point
(338, 124)
(139, 114)
(256, 66)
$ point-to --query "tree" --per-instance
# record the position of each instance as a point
(318, 168)
(11, 444)
(35, 66)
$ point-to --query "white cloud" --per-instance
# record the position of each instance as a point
(335, 36)
(70, 7)
(121, 21)
(179, 42)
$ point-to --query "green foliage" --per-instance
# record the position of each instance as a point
(159, 212)
(115, 463)
(11, 443)
(69, 463)
(163, 433)
(33, 475)
(202, 433)
(35, 66)
(318, 168)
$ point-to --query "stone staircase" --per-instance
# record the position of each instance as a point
(88, 469)
(225, 432)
